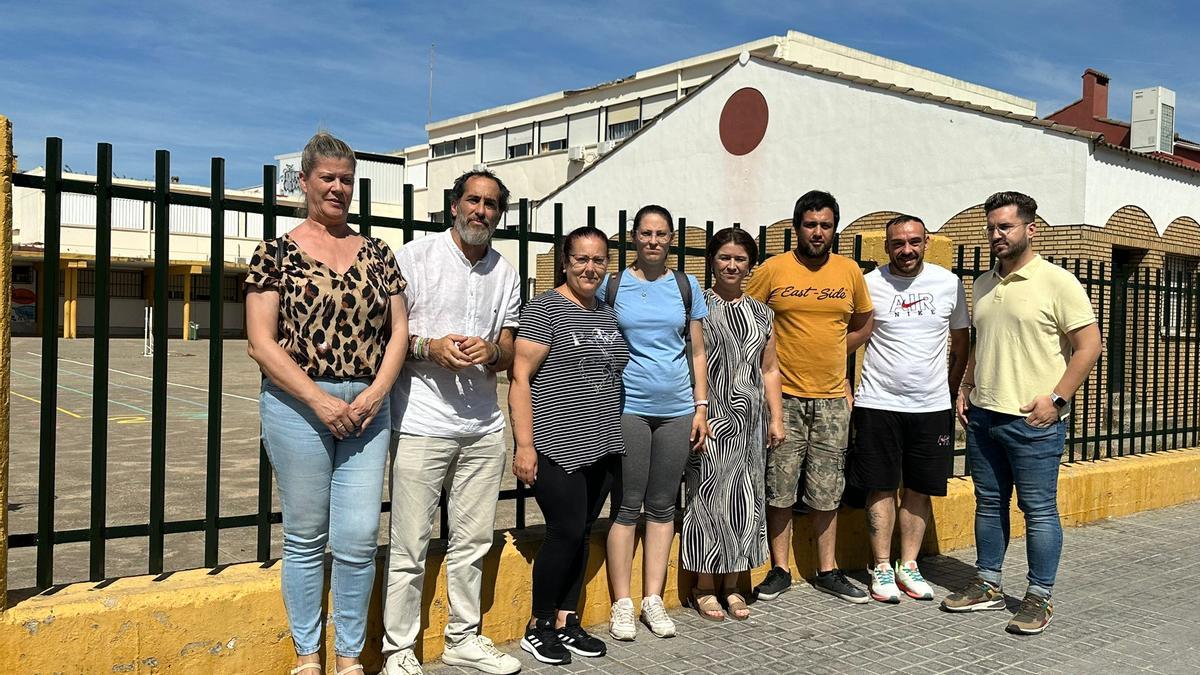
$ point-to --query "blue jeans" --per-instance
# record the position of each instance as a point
(1006, 451)
(330, 492)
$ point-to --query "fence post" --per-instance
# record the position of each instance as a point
(6, 169)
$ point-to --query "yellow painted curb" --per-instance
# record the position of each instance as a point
(231, 620)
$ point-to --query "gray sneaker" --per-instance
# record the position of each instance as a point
(1032, 616)
(835, 583)
(979, 596)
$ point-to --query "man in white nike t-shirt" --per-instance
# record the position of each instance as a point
(903, 419)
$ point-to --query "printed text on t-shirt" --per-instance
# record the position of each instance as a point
(822, 294)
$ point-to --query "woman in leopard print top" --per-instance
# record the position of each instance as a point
(327, 324)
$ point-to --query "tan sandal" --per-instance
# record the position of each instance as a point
(704, 603)
(738, 609)
(349, 669)
(306, 666)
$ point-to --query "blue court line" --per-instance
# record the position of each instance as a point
(85, 393)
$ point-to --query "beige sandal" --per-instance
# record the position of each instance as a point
(350, 669)
(738, 609)
(706, 602)
(305, 666)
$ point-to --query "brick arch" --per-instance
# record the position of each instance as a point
(1183, 232)
(871, 221)
(1133, 222)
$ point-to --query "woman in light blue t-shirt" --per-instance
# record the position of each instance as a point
(665, 414)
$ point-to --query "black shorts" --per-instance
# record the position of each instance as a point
(892, 447)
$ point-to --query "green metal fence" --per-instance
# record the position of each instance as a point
(1143, 396)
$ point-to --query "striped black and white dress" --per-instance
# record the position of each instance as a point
(724, 528)
(577, 394)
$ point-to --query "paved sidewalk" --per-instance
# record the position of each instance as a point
(1125, 603)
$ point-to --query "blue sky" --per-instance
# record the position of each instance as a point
(250, 80)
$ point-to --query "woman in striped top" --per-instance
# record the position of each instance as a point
(565, 397)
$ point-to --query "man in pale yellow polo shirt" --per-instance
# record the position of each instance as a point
(1036, 341)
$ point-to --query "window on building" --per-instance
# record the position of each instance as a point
(623, 120)
(1178, 313)
(652, 106)
(456, 146)
(202, 289)
(126, 284)
(552, 135)
(622, 130)
(121, 283)
(494, 149)
(87, 283)
(584, 128)
(520, 141)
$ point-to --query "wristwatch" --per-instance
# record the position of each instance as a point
(1058, 401)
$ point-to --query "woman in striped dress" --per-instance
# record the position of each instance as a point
(724, 529)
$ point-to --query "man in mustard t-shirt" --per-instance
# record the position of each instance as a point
(1036, 341)
(822, 314)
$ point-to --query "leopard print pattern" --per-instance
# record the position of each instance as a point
(332, 325)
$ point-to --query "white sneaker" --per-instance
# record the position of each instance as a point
(403, 662)
(620, 620)
(883, 584)
(654, 615)
(909, 579)
(480, 653)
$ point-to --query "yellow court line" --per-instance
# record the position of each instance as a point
(61, 410)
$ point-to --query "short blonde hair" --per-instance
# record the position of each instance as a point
(324, 145)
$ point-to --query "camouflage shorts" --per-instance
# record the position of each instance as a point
(813, 455)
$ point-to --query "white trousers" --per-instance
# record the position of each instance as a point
(470, 469)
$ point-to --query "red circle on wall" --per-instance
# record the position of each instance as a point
(23, 296)
(743, 121)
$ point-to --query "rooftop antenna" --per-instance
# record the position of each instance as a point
(429, 116)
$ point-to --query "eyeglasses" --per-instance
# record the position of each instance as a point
(1003, 228)
(581, 261)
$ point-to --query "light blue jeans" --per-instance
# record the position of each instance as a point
(330, 492)
(1006, 451)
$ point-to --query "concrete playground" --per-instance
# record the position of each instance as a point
(128, 410)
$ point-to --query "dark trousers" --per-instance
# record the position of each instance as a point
(570, 504)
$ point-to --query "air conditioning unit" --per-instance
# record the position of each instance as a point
(479, 167)
(575, 153)
(1152, 122)
(606, 147)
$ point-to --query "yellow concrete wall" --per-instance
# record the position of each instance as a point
(232, 620)
(7, 165)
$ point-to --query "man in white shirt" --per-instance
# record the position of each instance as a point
(903, 416)
(447, 429)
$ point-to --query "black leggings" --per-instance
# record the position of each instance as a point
(570, 504)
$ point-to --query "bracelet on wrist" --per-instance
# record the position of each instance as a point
(495, 349)
(966, 385)
(702, 402)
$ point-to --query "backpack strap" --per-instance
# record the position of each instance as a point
(610, 291)
(685, 294)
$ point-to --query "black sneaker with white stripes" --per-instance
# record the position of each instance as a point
(575, 638)
(542, 641)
